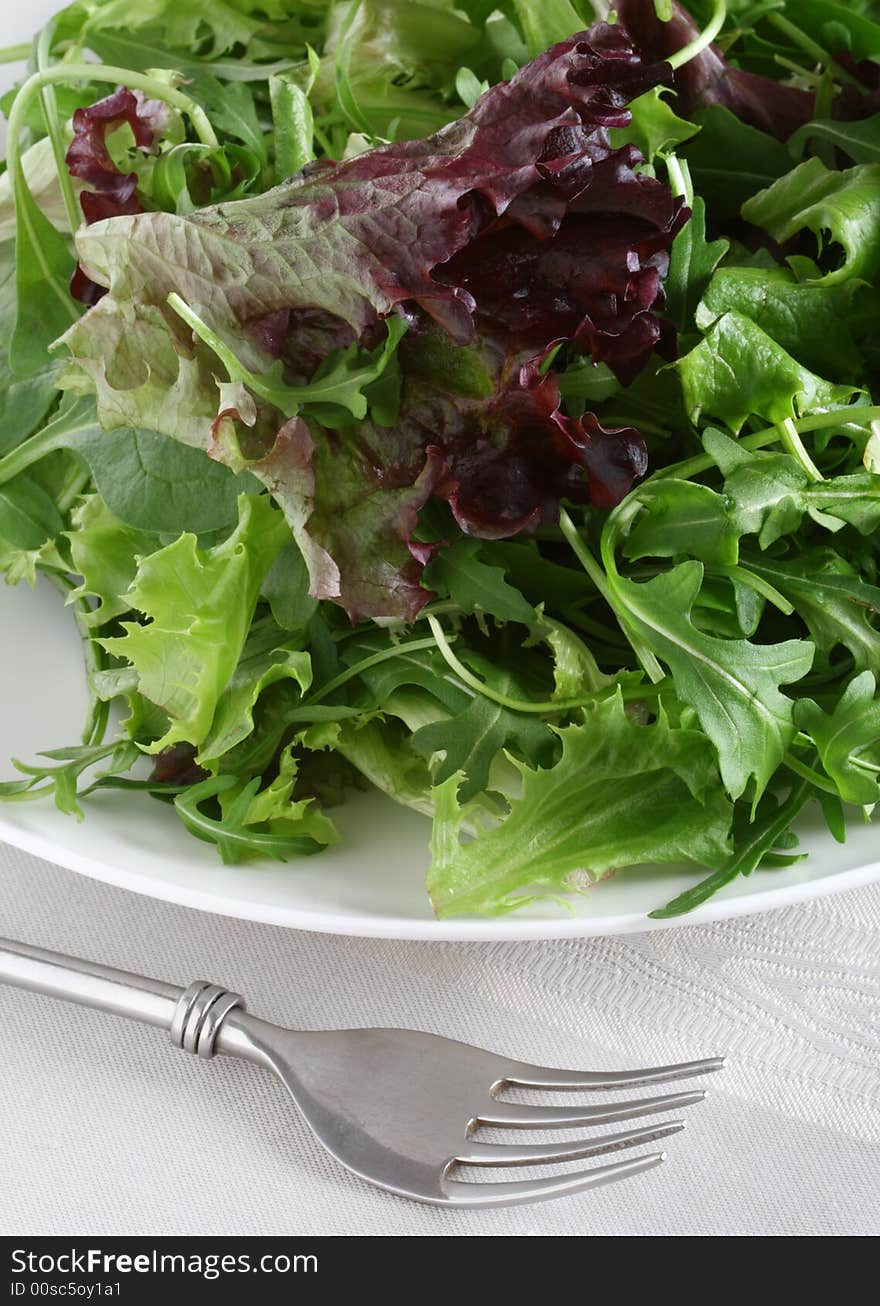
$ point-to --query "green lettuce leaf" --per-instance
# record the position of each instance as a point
(620, 795)
(106, 553)
(810, 322)
(264, 661)
(838, 207)
(738, 370)
(199, 605)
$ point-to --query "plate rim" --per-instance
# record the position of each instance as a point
(508, 929)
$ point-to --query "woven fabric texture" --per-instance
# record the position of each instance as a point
(105, 1129)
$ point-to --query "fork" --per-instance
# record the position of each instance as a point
(399, 1108)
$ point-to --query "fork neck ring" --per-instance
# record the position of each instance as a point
(199, 1015)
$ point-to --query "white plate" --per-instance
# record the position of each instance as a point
(372, 884)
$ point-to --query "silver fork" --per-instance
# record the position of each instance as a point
(397, 1107)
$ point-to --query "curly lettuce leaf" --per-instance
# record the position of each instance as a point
(621, 794)
(198, 606)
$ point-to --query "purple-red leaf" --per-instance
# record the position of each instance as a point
(113, 193)
(709, 79)
(512, 231)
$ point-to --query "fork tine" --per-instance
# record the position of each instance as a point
(518, 1115)
(525, 1076)
(472, 1153)
(541, 1190)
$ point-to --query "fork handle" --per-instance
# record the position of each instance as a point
(195, 1017)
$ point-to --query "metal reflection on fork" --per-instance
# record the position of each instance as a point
(399, 1108)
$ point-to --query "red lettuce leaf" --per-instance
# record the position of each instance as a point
(509, 232)
(709, 78)
(113, 193)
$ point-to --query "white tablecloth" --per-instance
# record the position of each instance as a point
(105, 1129)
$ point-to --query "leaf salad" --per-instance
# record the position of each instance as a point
(474, 400)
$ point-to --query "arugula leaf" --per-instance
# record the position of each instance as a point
(732, 684)
(236, 834)
(470, 740)
(771, 492)
(692, 261)
(459, 573)
(655, 126)
(838, 207)
(232, 109)
(62, 780)
(619, 795)
(198, 605)
(831, 598)
(755, 840)
(683, 519)
(387, 670)
(847, 739)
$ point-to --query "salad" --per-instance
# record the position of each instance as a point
(474, 399)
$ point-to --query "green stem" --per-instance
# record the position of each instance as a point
(383, 655)
(504, 700)
(806, 43)
(706, 37)
(49, 105)
(15, 53)
(792, 444)
(652, 667)
(814, 79)
(770, 435)
(679, 177)
(69, 495)
(807, 773)
(98, 712)
(756, 583)
(54, 436)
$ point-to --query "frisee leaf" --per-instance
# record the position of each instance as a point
(619, 795)
(198, 605)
